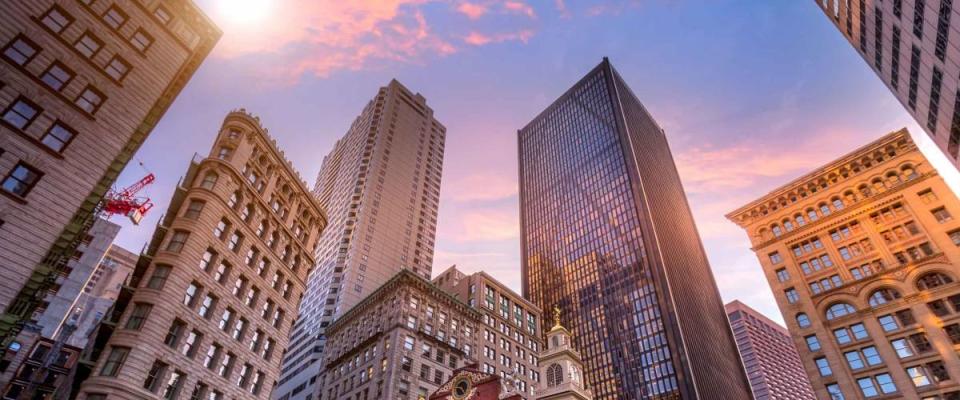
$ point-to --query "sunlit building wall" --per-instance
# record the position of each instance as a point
(862, 256)
(608, 237)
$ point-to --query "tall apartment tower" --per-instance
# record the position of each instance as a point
(608, 237)
(380, 185)
(862, 256)
(99, 292)
(82, 84)
(908, 44)
(772, 362)
(209, 307)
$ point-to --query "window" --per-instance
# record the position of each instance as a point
(871, 355)
(207, 260)
(226, 319)
(823, 366)
(90, 100)
(933, 280)
(839, 310)
(226, 364)
(928, 196)
(792, 295)
(941, 214)
(114, 361)
(194, 207)
(223, 271)
(57, 76)
(173, 334)
(834, 391)
(239, 327)
(854, 360)
(21, 180)
(177, 241)
(802, 320)
(213, 353)
(859, 331)
(56, 19)
(114, 17)
(236, 240)
(883, 296)
(812, 342)
(783, 275)
(141, 40)
(138, 316)
(159, 277)
(209, 302)
(174, 383)
(154, 376)
(408, 342)
(209, 181)
(21, 113)
(902, 347)
(21, 50)
(191, 295)
(867, 387)
(58, 137)
(117, 68)
(776, 258)
(918, 376)
(162, 15)
(88, 45)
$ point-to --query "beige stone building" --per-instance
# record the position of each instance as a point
(82, 84)
(407, 338)
(208, 309)
(912, 46)
(863, 259)
(511, 332)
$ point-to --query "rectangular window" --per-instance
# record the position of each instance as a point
(90, 99)
(941, 214)
(895, 59)
(918, 8)
(173, 334)
(21, 180)
(177, 241)
(57, 76)
(172, 389)
(115, 17)
(88, 45)
(934, 110)
(854, 360)
(141, 40)
(792, 296)
(138, 316)
(21, 50)
(190, 298)
(114, 361)
(783, 275)
(117, 68)
(21, 113)
(914, 77)
(56, 19)
(159, 277)
(154, 376)
(162, 15)
(823, 366)
(776, 258)
(878, 39)
(812, 342)
(58, 137)
(209, 302)
(943, 28)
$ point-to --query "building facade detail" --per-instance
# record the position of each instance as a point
(562, 367)
(208, 309)
(862, 256)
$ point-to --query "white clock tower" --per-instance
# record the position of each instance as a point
(561, 367)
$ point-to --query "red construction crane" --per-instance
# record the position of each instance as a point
(124, 202)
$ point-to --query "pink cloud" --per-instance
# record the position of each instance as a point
(485, 224)
(472, 10)
(561, 6)
(480, 39)
(519, 7)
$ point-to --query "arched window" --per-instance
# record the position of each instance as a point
(864, 190)
(883, 296)
(909, 172)
(803, 320)
(825, 209)
(788, 225)
(209, 180)
(878, 185)
(837, 203)
(812, 214)
(800, 220)
(838, 310)
(777, 231)
(932, 280)
(554, 375)
(893, 179)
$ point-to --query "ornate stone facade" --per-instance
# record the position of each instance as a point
(863, 259)
(208, 309)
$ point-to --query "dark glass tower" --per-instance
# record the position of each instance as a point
(609, 238)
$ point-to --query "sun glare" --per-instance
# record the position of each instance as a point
(244, 11)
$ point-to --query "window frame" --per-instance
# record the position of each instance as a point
(64, 144)
(29, 187)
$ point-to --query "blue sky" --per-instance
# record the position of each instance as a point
(751, 94)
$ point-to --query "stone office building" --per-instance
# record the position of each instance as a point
(863, 256)
(407, 338)
(209, 307)
(82, 84)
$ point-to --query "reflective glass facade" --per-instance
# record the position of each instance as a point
(599, 192)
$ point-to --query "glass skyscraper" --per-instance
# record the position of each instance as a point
(608, 237)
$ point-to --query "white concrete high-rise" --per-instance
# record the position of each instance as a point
(380, 186)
